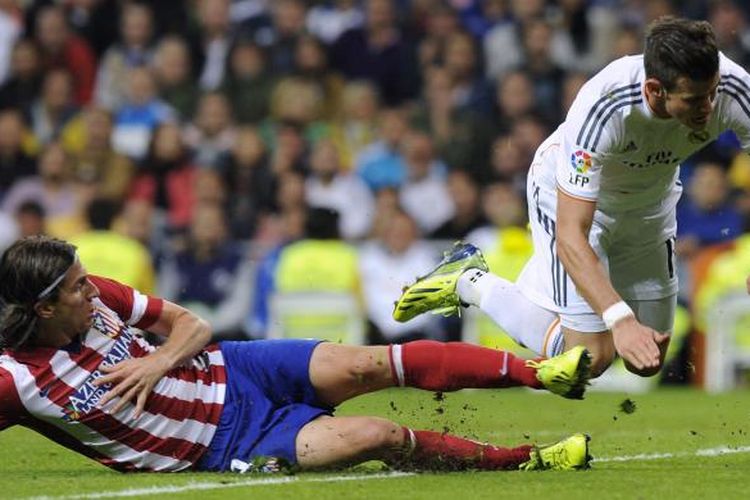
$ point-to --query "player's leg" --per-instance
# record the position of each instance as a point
(658, 314)
(598, 343)
(339, 441)
(589, 331)
(526, 310)
(340, 372)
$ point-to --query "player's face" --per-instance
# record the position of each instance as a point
(74, 310)
(692, 102)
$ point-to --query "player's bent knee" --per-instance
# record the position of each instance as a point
(378, 435)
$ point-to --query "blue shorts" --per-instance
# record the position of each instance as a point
(269, 399)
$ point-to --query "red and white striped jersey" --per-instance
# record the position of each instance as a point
(51, 391)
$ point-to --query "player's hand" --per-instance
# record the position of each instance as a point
(133, 379)
(638, 344)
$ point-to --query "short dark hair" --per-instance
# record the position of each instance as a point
(27, 268)
(678, 47)
(101, 213)
(322, 224)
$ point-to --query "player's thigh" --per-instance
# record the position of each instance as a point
(330, 441)
(340, 372)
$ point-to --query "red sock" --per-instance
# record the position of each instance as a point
(436, 451)
(439, 366)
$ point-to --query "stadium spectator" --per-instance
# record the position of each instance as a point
(108, 252)
(212, 275)
(52, 187)
(211, 43)
(249, 83)
(355, 125)
(172, 69)
(30, 219)
(612, 229)
(288, 141)
(460, 133)
(381, 164)
(133, 50)
(508, 162)
(11, 28)
(212, 133)
(424, 195)
(706, 216)
(54, 108)
(250, 184)
(461, 59)
(545, 73)
(503, 208)
(25, 79)
(311, 64)
(15, 164)
(65, 50)
(433, 25)
(94, 160)
(330, 186)
(329, 20)
(380, 53)
(467, 214)
(191, 401)
(514, 98)
(732, 30)
(503, 47)
(96, 21)
(141, 113)
(280, 38)
(167, 177)
(397, 248)
(329, 264)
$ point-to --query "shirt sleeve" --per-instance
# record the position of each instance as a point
(590, 131)
(135, 308)
(10, 404)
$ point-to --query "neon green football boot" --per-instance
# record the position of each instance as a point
(436, 291)
(566, 374)
(571, 453)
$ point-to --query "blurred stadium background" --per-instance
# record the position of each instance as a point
(284, 167)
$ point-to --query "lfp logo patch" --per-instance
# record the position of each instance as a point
(581, 161)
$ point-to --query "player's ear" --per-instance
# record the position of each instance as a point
(44, 309)
(654, 87)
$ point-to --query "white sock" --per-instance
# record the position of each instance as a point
(527, 323)
(471, 286)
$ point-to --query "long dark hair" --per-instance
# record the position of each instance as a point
(27, 268)
(677, 47)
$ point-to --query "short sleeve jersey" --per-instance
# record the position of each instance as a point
(614, 150)
(51, 391)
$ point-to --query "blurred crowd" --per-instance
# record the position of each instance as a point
(219, 151)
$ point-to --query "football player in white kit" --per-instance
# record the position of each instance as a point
(602, 191)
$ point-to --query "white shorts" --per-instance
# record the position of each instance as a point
(636, 250)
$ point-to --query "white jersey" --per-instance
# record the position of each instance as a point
(51, 391)
(613, 150)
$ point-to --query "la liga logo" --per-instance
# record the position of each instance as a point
(581, 161)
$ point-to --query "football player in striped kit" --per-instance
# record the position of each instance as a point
(74, 368)
(602, 191)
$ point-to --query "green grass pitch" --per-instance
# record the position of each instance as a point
(677, 443)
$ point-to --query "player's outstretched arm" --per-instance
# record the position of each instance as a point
(636, 343)
(135, 378)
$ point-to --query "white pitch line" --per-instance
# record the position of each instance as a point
(707, 452)
(158, 490)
